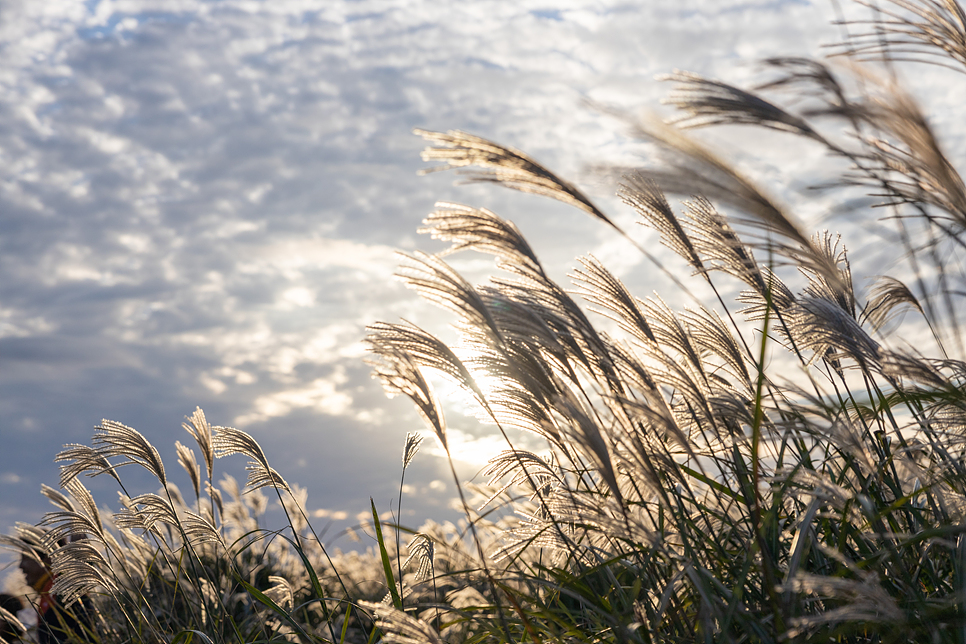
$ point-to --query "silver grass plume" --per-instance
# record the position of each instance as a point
(540, 473)
(198, 530)
(421, 550)
(230, 485)
(568, 325)
(174, 493)
(111, 438)
(208, 597)
(281, 591)
(145, 512)
(865, 600)
(80, 570)
(481, 230)
(26, 541)
(813, 76)
(931, 31)
(82, 459)
(294, 505)
(904, 365)
(645, 196)
(819, 324)
(82, 523)
(658, 420)
(695, 169)
(672, 334)
(425, 349)
(598, 286)
(818, 286)
(438, 283)
(719, 245)
(710, 335)
(707, 102)
(84, 501)
(413, 441)
(57, 498)
(215, 495)
(228, 440)
(505, 166)
(400, 628)
(775, 296)
(585, 431)
(927, 175)
(885, 297)
(186, 457)
(401, 374)
(199, 428)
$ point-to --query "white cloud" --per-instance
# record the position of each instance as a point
(320, 396)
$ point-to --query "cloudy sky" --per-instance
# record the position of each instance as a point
(200, 204)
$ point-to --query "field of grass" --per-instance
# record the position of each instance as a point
(785, 467)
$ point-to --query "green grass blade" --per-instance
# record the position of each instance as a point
(386, 565)
(278, 610)
(345, 623)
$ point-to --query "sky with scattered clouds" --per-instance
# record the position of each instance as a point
(200, 204)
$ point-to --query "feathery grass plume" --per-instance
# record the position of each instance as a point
(588, 435)
(915, 368)
(904, 157)
(228, 440)
(887, 294)
(421, 550)
(710, 336)
(481, 230)
(516, 462)
(437, 282)
(83, 501)
(842, 291)
(690, 486)
(400, 628)
(819, 324)
(157, 551)
(706, 102)
(199, 530)
(58, 498)
(144, 512)
(281, 591)
(186, 458)
(80, 570)
(199, 428)
(215, 495)
(921, 31)
(695, 478)
(26, 540)
(861, 601)
(600, 287)
(693, 169)
(503, 165)
(82, 459)
(716, 241)
(401, 374)
(112, 438)
(425, 349)
(644, 196)
(413, 441)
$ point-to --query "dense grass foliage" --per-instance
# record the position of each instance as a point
(787, 467)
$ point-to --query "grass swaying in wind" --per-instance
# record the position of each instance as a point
(789, 467)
